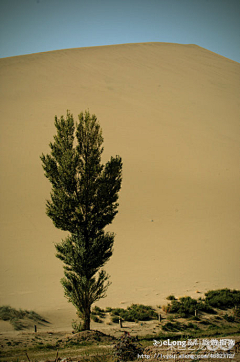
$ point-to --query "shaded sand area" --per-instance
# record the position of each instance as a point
(171, 112)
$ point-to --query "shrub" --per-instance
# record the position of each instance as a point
(140, 312)
(186, 307)
(77, 326)
(98, 310)
(205, 307)
(127, 348)
(173, 327)
(34, 316)
(96, 319)
(7, 313)
(236, 313)
(190, 325)
(135, 312)
(108, 309)
(17, 324)
(195, 326)
(206, 323)
(223, 298)
(171, 297)
(166, 308)
(229, 318)
(15, 316)
(118, 311)
(212, 326)
(115, 319)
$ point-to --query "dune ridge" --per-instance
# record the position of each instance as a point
(171, 111)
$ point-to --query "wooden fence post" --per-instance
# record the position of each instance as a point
(120, 322)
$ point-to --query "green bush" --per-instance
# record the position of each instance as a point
(96, 319)
(173, 327)
(229, 318)
(171, 297)
(7, 313)
(34, 316)
(17, 324)
(98, 311)
(115, 319)
(206, 323)
(236, 313)
(136, 312)
(195, 326)
(212, 326)
(186, 307)
(223, 298)
(77, 326)
(118, 311)
(108, 309)
(15, 316)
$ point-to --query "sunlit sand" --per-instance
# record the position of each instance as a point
(171, 112)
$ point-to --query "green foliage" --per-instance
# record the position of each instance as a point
(127, 348)
(194, 318)
(178, 327)
(108, 309)
(173, 327)
(229, 318)
(171, 297)
(186, 307)
(115, 319)
(190, 325)
(136, 312)
(17, 324)
(15, 316)
(205, 322)
(96, 319)
(83, 201)
(81, 286)
(7, 313)
(212, 326)
(77, 326)
(98, 311)
(236, 313)
(84, 192)
(223, 298)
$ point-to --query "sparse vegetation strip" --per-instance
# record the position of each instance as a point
(18, 317)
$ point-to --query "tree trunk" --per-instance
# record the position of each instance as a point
(86, 319)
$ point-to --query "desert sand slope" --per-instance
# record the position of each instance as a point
(172, 112)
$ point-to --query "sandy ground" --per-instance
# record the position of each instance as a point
(66, 344)
(171, 112)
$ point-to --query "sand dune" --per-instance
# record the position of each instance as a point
(172, 112)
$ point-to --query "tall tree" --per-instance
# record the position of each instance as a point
(83, 201)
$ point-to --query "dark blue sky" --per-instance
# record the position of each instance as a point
(32, 26)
